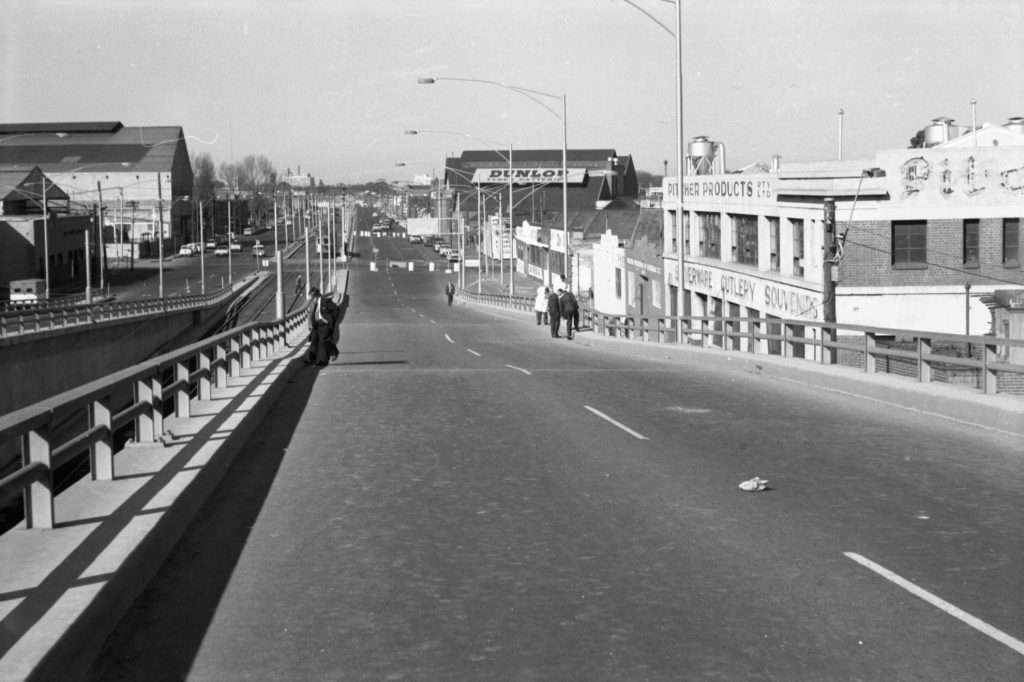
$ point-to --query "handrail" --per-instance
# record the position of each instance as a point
(31, 320)
(166, 384)
(926, 357)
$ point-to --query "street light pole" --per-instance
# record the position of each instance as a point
(202, 251)
(101, 245)
(279, 294)
(160, 241)
(46, 239)
(532, 95)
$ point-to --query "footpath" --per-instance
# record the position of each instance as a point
(963, 405)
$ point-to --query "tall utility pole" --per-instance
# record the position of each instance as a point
(830, 272)
(99, 240)
(160, 241)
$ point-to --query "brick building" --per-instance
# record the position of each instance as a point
(924, 233)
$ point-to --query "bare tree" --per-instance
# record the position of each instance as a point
(258, 177)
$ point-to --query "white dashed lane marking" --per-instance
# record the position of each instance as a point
(625, 428)
(976, 623)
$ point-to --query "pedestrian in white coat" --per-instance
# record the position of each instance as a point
(540, 305)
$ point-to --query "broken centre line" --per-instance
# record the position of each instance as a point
(976, 623)
(625, 428)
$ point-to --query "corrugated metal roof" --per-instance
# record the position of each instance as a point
(100, 146)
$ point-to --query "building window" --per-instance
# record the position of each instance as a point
(1011, 241)
(971, 242)
(744, 239)
(798, 247)
(673, 221)
(618, 283)
(773, 230)
(909, 242)
(686, 233)
(710, 225)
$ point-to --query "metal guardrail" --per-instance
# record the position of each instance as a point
(55, 302)
(33, 320)
(926, 356)
(161, 386)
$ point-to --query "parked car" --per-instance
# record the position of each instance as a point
(236, 245)
(453, 256)
(211, 243)
(188, 250)
(415, 239)
(247, 232)
(258, 251)
(220, 250)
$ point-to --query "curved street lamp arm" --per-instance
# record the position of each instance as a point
(651, 16)
(490, 143)
(525, 92)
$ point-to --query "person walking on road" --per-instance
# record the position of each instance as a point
(554, 314)
(449, 291)
(570, 311)
(540, 305)
(323, 315)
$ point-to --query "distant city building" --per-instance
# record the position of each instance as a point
(298, 180)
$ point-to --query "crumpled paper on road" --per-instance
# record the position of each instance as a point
(754, 485)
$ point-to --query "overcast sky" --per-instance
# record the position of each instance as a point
(330, 85)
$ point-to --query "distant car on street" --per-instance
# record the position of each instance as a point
(188, 250)
(258, 251)
(415, 239)
(211, 243)
(236, 245)
(220, 250)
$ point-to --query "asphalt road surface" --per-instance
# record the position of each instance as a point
(461, 497)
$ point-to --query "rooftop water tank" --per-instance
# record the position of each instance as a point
(701, 152)
(1015, 124)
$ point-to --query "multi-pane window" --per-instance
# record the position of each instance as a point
(744, 239)
(710, 225)
(909, 241)
(773, 231)
(971, 242)
(1011, 241)
(798, 247)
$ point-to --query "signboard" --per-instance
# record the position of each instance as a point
(527, 176)
(767, 296)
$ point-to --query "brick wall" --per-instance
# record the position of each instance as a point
(867, 259)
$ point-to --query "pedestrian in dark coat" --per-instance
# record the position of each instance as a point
(449, 291)
(554, 314)
(570, 310)
(323, 316)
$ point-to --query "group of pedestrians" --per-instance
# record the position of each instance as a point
(551, 307)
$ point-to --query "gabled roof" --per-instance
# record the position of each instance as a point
(103, 147)
(21, 185)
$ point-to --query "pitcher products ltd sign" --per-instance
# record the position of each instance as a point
(527, 176)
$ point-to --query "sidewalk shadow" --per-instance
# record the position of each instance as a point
(161, 634)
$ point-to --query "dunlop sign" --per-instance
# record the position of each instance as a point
(527, 176)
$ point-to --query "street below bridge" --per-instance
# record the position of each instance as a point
(460, 497)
